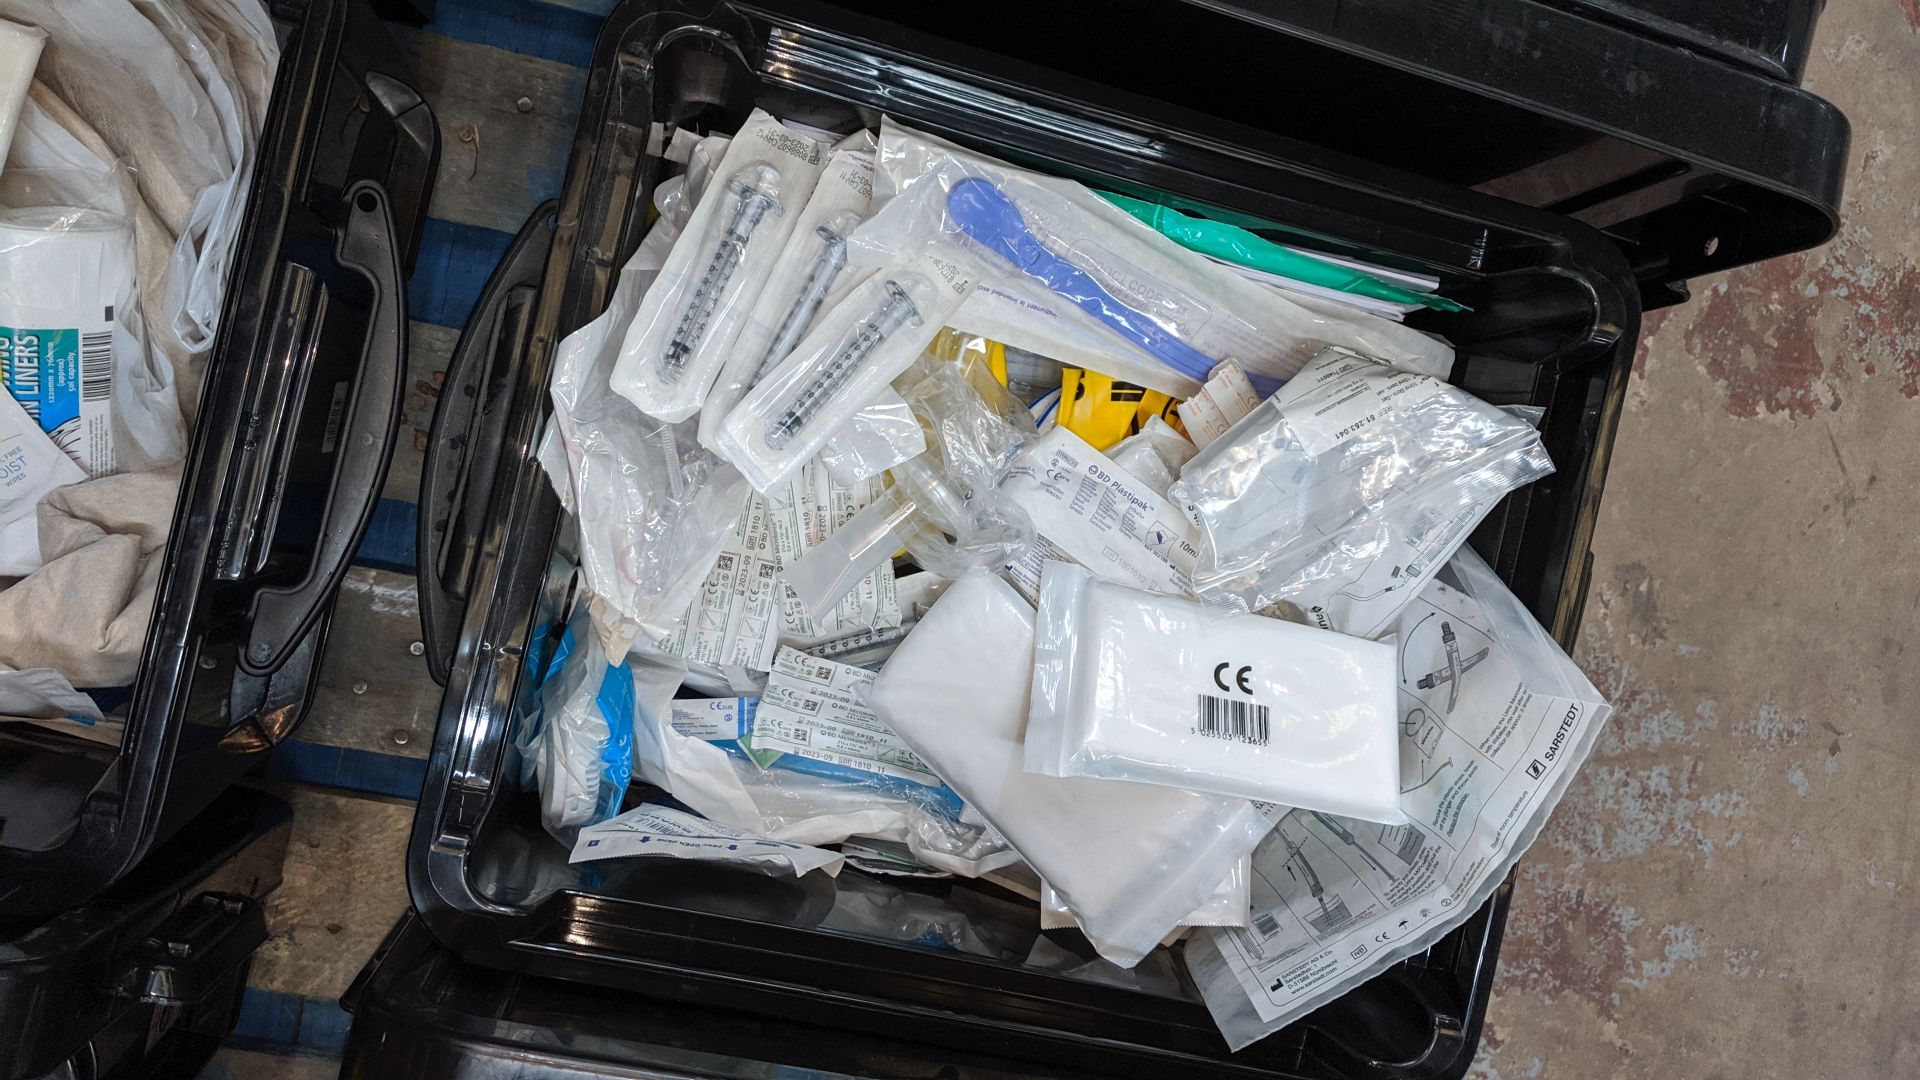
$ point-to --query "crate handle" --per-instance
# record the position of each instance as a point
(186, 958)
(468, 431)
(283, 614)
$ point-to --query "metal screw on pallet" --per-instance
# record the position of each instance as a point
(360, 687)
(417, 648)
(400, 736)
(525, 105)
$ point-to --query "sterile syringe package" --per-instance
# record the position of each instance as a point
(811, 274)
(842, 364)
(1346, 491)
(713, 276)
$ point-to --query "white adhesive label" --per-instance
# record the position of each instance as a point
(817, 709)
(662, 832)
(1089, 511)
(1330, 402)
(714, 719)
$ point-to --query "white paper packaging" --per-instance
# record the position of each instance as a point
(1129, 860)
(30, 466)
(1129, 685)
(1494, 724)
(1086, 509)
(684, 329)
(662, 832)
(66, 281)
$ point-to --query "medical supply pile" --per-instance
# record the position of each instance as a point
(128, 132)
(984, 526)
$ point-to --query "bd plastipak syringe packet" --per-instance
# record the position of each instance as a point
(1344, 492)
(713, 275)
(1080, 280)
(1494, 722)
(1129, 860)
(811, 273)
(1088, 510)
(1131, 685)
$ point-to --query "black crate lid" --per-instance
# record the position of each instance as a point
(1691, 164)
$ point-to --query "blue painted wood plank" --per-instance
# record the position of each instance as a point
(343, 767)
(287, 1023)
(455, 261)
(549, 31)
(392, 538)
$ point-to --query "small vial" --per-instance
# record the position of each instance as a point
(821, 274)
(750, 194)
(898, 310)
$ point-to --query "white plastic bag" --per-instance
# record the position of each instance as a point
(1346, 491)
(1130, 685)
(1226, 907)
(583, 755)
(877, 438)
(1129, 860)
(1063, 267)
(1480, 682)
(683, 331)
(654, 508)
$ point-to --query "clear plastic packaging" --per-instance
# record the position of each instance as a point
(1130, 685)
(682, 332)
(811, 274)
(1226, 907)
(793, 800)
(877, 438)
(848, 358)
(1155, 455)
(1130, 860)
(1480, 681)
(1343, 493)
(944, 506)
(654, 508)
(1071, 276)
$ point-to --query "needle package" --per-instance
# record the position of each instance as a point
(810, 275)
(1129, 685)
(842, 364)
(683, 331)
(1343, 493)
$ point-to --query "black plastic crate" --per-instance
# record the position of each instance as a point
(289, 451)
(1555, 317)
(145, 979)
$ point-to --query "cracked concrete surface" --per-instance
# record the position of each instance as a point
(1729, 888)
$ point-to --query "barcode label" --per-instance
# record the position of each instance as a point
(1230, 718)
(96, 366)
(1266, 924)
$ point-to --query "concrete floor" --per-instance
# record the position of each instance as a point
(1729, 888)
